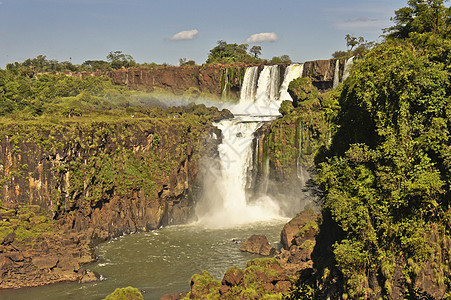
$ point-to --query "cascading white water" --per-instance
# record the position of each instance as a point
(249, 86)
(227, 204)
(292, 72)
(348, 65)
(266, 101)
(337, 73)
(259, 97)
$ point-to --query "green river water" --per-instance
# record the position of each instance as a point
(159, 262)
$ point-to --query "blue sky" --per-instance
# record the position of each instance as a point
(147, 29)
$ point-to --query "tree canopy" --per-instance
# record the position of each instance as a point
(421, 16)
(229, 53)
(386, 178)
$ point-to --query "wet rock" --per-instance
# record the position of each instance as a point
(258, 244)
(90, 277)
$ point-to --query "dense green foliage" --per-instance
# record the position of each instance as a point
(47, 93)
(256, 282)
(225, 53)
(127, 293)
(230, 53)
(386, 179)
(420, 16)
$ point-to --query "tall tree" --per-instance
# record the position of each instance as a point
(256, 51)
(119, 60)
(420, 16)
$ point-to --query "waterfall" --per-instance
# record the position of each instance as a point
(249, 86)
(348, 65)
(227, 201)
(291, 72)
(266, 102)
(337, 73)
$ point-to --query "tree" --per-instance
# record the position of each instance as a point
(420, 16)
(352, 41)
(118, 60)
(256, 51)
(97, 64)
(229, 53)
(184, 62)
(283, 59)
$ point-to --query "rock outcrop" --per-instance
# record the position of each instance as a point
(262, 277)
(298, 240)
(213, 79)
(258, 244)
(91, 181)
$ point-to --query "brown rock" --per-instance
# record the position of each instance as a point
(15, 256)
(269, 287)
(174, 296)
(9, 238)
(233, 276)
(224, 289)
(4, 262)
(45, 262)
(283, 286)
(258, 244)
(294, 226)
(67, 264)
(90, 277)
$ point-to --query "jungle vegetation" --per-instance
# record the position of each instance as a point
(385, 180)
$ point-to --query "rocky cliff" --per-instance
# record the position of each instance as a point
(92, 180)
(212, 79)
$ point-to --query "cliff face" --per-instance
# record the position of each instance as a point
(112, 176)
(213, 79)
(322, 73)
(88, 181)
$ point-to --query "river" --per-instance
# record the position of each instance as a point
(159, 262)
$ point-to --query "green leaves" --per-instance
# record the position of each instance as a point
(387, 178)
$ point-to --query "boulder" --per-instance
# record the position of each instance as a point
(45, 262)
(258, 244)
(233, 276)
(9, 239)
(303, 226)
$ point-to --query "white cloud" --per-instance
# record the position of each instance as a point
(185, 35)
(262, 37)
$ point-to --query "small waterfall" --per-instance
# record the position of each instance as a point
(348, 65)
(249, 87)
(337, 73)
(227, 204)
(292, 72)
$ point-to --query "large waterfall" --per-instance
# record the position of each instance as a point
(225, 202)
